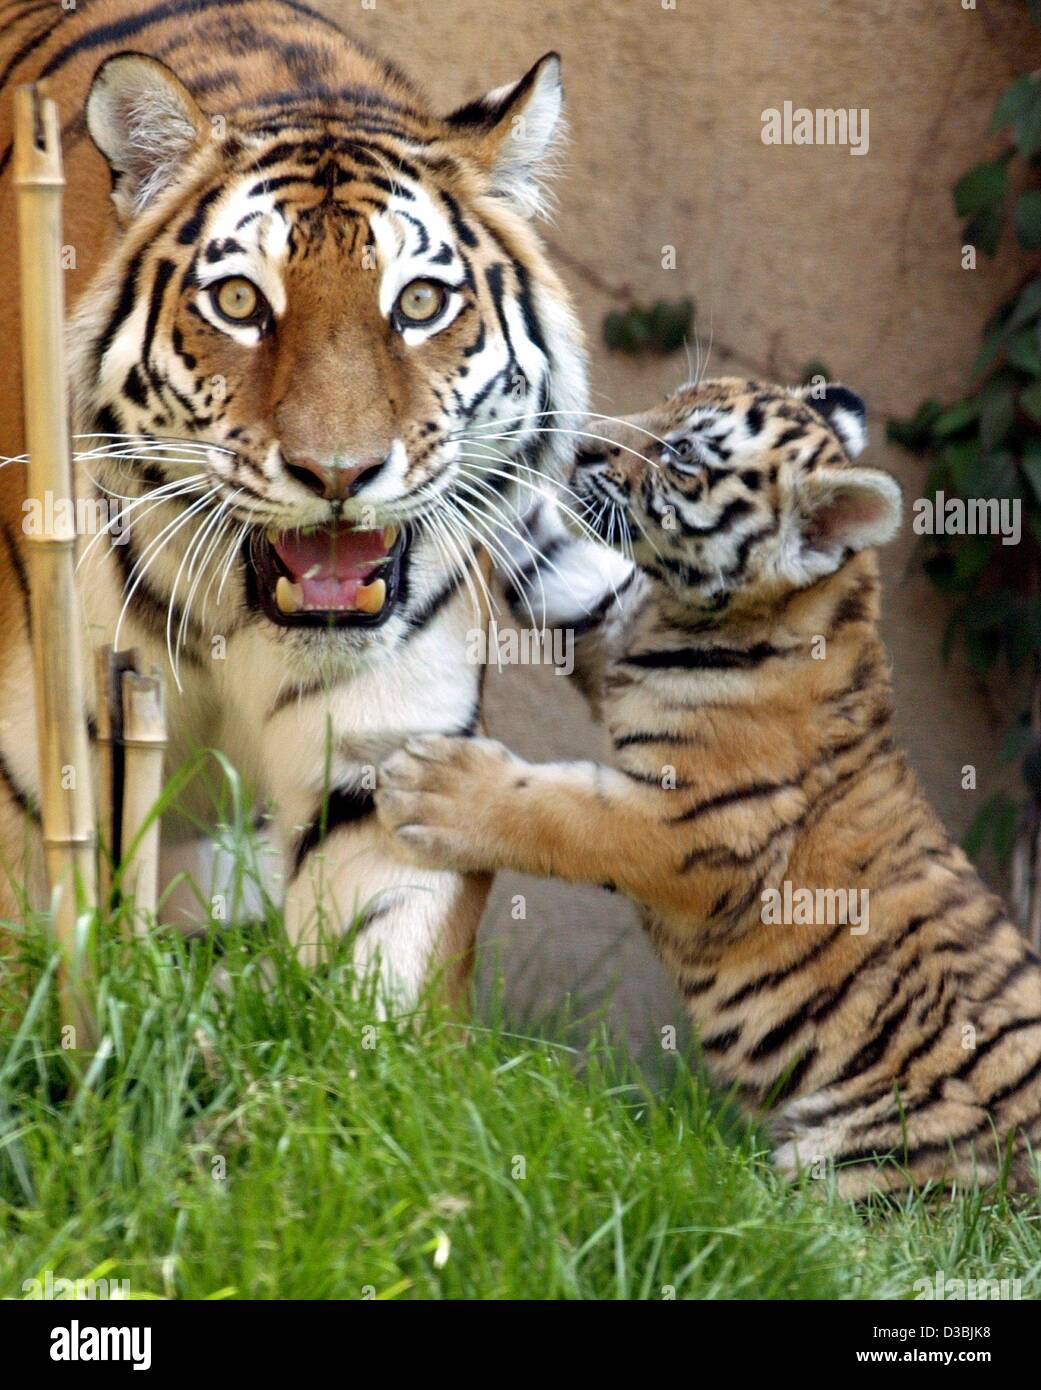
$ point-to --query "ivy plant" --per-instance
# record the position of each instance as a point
(988, 445)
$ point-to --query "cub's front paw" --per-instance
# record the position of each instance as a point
(441, 799)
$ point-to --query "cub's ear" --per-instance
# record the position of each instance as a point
(146, 123)
(843, 409)
(511, 133)
(843, 509)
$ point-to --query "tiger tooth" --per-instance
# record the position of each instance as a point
(370, 598)
(289, 597)
(390, 535)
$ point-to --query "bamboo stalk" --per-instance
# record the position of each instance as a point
(66, 793)
(144, 746)
(106, 775)
(111, 770)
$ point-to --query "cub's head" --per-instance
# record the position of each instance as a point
(735, 487)
(310, 309)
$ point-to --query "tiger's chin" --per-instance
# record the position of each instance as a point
(334, 576)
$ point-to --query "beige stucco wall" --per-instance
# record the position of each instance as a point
(791, 253)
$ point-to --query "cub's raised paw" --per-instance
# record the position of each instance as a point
(441, 798)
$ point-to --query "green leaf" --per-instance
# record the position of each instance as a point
(997, 411)
(1030, 400)
(1030, 464)
(814, 368)
(1016, 742)
(992, 345)
(996, 825)
(962, 457)
(983, 229)
(998, 475)
(1013, 104)
(957, 418)
(670, 324)
(1023, 352)
(1027, 306)
(663, 328)
(626, 330)
(916, 432)
(1028, 219)
(969, 563)
(981, 188)
(1026, 127)
(938, 479)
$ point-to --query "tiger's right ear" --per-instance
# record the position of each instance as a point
(146, 123)
(511, 134)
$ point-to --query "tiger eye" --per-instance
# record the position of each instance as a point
(237, 299)
(421, 301)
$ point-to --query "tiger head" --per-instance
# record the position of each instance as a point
(736, 489)
(334, 328)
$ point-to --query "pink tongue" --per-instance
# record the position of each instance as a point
(330, 564)
(334, 552)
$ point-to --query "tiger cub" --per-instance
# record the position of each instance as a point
(844, 966)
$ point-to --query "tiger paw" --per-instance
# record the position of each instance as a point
(442, 799)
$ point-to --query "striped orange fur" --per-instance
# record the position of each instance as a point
(891, 1037)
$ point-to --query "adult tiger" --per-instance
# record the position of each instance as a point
(303, 296)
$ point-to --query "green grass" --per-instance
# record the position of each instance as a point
(268, 1140)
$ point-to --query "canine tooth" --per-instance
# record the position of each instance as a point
(390, 535)
(289, 597)
(370, 598)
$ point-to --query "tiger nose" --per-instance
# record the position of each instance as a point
(333, 481)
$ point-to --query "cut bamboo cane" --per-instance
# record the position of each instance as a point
(66, 792)
(144, 746)
(111, 770)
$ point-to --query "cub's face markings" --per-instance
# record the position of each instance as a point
(735, 486)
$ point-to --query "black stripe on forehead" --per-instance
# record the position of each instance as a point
(311, 149)
(190, 229)
(460, 226)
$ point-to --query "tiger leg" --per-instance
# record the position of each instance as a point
(415, 926)
(887, 1142)
(472, 804)
(22, 886)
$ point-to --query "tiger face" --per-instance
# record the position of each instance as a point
(309, 317)
(734, 489)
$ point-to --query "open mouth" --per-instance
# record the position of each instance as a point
(329, 576)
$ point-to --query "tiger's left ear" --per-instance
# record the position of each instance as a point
(839, 510)
(510, 133)
(842, 408)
